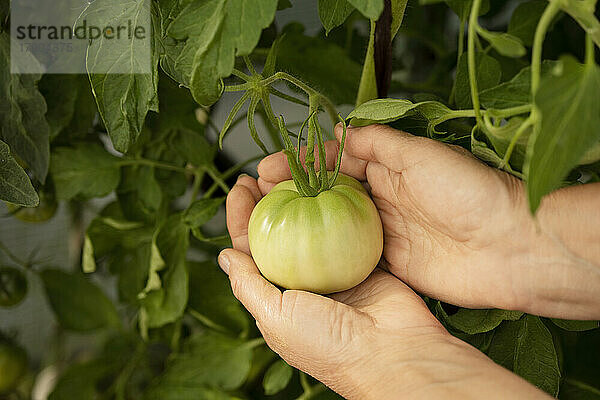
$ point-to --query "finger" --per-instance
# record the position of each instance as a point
(379, 143)
(251, 184)
(265, 186)
(239, 205)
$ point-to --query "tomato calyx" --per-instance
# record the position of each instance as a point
(308, 181)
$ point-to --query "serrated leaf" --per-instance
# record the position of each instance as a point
(388, 110)
(310, 59)
(277, 377)
(526, 347)
(78, 304)
(524, 20)
(514, 93)
(201, 211)
(210, 360)
(479, 321)
(369, 8)
(166, 303)
(333, 13)
(72, 109)
(504, 43)
(23, 125)
(85, 170)
(212, 301)
(124, 98)
(488, 74)
(15, 186)
(570, 116)
(217, 31)
(462, 8)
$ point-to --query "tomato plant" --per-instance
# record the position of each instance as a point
(141, 163)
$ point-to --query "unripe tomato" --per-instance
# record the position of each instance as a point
(13, 286)
(13, 364)
(323, 244)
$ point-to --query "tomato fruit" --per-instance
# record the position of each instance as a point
(324, 244)
(13, 365)
(13, 286)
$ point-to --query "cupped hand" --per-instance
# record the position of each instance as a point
(375, 341)
(455, 229)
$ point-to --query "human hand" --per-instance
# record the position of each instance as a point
(375, 341)
(456, 229)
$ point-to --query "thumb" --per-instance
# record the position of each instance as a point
(295, 324)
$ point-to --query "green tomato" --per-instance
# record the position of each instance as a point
(323, 244)
(13, 286)
(13, 365)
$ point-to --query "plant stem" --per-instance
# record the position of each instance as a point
(229, 173)
(584, 15)
(215, 177)
(461, 49)
(538, 42)
(471, 59)
(367, 88)
(309, 161)
(590, 56)
(152, 163)
(513, 141)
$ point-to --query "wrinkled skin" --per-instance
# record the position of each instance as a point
(454, 229)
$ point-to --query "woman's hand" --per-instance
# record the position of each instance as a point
(459, 231)
(375, 341)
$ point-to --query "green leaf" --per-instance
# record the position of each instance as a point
(78, 304)
(514, 93)
(15, 186)
(526, 347)
(72, 109)
(383, 111)
(576, 326)
(212, 301)
(80, 381)
(125, 98)
(462, 8)
(524, 20)
(369, 8)
(209, 360)
(337, 80)
(570, 116)
(85, 170)
(22, 107)
(216, 31)
(277, 377)
(501, 136)
(201, 211)
(167, 301)
(488, 74)
(504, 43)
(479, 321)
(573, 389)
(333, 13)
(139, 192)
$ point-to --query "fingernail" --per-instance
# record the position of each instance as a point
(223, 261)
(240, 176)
